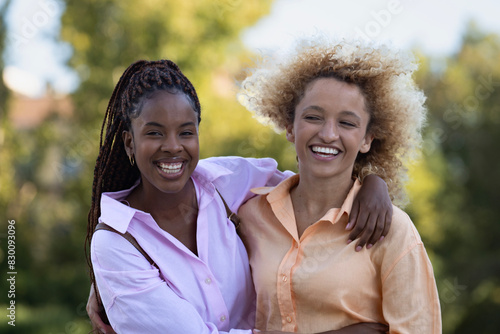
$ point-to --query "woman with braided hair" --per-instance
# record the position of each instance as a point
(163, 254)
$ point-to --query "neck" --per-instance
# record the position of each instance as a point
(315, 196)
(165, 205)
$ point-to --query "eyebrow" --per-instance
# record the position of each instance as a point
(161, 126)
(350, 113)
(345, 112)
(313, 107)
(187, 124)
(154, 124)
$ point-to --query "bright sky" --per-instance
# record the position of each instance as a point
(32, 57)
(435, 27)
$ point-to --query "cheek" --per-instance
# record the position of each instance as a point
(305, 131)
(146, 147)
(194, 147)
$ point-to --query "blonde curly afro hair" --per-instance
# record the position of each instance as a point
(396, 106)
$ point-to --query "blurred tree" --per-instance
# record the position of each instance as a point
(200, 36)
(455, 193)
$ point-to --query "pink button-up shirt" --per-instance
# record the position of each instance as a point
(208, 293)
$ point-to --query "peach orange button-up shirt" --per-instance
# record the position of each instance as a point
(318, 282)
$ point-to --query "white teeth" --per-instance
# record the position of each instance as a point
(325, 150)
(170, 168)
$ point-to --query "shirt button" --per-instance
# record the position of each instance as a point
(288, 319)
(223, 318)
(285, 278)
(208, 281)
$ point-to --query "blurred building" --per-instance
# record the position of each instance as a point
(28, 112)
(30, 103)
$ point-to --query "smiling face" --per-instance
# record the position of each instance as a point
(164, 142)
(329, 128)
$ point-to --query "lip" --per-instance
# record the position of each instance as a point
(325, 157)
(172, 162)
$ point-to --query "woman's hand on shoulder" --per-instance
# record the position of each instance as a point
(371, 213)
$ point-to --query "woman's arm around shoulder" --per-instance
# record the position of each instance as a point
(371, 213)
(237, 176)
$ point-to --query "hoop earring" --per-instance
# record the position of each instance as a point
(131, 159)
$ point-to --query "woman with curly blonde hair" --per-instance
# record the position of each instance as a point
(350, 110)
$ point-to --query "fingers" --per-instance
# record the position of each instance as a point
(107, 329)
(369, 225)
(94, 312)
(377, 231)
(353, 217)
(359, 227)
(97, 323)
(381, 229)
(367, 232)
(100, 327)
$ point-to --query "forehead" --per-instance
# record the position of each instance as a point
(332, 96)
(330, 87)
(166, 106)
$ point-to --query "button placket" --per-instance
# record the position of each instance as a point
(285, 289)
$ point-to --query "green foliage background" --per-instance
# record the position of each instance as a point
(46, 173)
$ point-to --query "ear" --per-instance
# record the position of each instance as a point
(290, 134)
(367, 143)
(128, 142)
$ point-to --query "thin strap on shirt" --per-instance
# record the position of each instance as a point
(230, 214)
(130, 238)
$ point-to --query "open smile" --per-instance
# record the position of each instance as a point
(170, 169)
(325, 152)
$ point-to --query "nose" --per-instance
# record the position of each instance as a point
(171, 144)
(329, 132)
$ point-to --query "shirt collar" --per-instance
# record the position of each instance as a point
(118, 215)
(281, 193)
(115, 213)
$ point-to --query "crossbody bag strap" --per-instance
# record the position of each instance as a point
(130, 238)
(230, 214)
